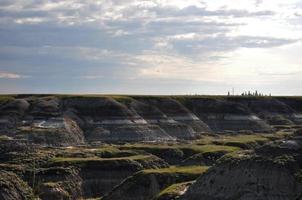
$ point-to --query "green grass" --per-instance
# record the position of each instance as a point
(209, 148)
(80, 160)
(6, 98)
(106, 151)
(188, 150)
(205, 139)
(112, 152)
(178, 170)
(243, 141)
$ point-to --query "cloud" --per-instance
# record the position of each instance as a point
(93, 76)
(102, 41)
(199, 44)
(203, 11)
(9, 75)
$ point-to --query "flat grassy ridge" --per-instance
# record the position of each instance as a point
(241, 140)
(5, 98)
(194, 170)
(77, 160)
(102, 152)
(189, 149)
(133, 163)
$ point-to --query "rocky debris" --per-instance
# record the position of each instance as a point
(57, 183)
(10, 145)
(11, 150)
(21, 158)
(207, 158)
(174, 191)
(51, 191)
(12, 187)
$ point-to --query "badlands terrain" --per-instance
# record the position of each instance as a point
(150, 147)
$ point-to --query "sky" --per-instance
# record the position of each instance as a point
(151, 47)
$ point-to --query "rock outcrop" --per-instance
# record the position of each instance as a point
(221, 114)
(60, 131)
(12, 187)
(248, 179)
(100, 175)
(273, 111)
(57, 183)
(147, 184)
(150, 147)
(106, 119)
(273, 173)
(179, 121)
(79, 119)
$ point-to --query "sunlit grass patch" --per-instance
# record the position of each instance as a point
(5, 98)
(243, 141)
(187, 149)
(180, 170)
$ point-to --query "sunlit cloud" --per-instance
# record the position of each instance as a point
(120, 43)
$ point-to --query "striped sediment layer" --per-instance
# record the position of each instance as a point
(143, 118)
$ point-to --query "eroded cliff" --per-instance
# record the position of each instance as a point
(79, 119)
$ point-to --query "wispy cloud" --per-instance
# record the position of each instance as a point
(91, 77)
(109, 41)
(9, 75)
